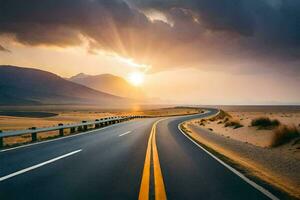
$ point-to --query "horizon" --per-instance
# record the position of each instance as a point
(193, 99)
(182, 52)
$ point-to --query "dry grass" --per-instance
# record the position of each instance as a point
(244, 157)
(233, 123)
(284, 134)
(265, 123)
(220, 116)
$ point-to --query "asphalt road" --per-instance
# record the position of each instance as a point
(111, 163)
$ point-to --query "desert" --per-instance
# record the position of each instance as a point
(257, 150)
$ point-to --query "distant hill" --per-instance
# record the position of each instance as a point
(26, 86)
(110, 84)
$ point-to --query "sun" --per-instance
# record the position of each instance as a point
(136, 78)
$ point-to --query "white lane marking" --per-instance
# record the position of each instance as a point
(38, 165)
(125, 133)
(69, 136)
(61, 138)
(252, 183)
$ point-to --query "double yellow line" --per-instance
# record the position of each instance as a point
(159, 187)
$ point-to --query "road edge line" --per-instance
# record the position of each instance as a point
(236, 172)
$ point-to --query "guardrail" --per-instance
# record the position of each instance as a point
(83, 126)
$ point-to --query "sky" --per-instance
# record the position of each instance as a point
(192, 51)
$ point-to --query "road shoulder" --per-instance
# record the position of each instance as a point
(233, 152)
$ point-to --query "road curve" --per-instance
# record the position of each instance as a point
(110, 163)
(191, 173)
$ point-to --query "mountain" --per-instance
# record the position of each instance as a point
(110, 84)
(23, 86)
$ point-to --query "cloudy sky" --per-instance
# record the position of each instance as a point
(190, 51)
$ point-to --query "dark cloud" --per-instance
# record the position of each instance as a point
(256, 35)
(271, 20)
(4, 49)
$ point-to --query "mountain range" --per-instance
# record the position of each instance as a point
(110, 84)
(27, 86)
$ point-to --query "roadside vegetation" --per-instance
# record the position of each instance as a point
(280, 133)
(228, 121)
(233, 123)
(284, 134)
(222, 118)
(277, 161)
(222, 115)
(265, 123)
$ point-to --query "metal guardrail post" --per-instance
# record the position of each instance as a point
(61, 131)
(97, 125)
(72, 129)
(1, 141)
(33, 135)
(61, 127)
(85, 127)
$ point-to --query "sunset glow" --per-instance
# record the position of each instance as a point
(144, 83)
(192, 48)
(136, 78)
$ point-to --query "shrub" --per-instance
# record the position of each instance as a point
(226, 120)
(265, 122)
(238, 126)
(221, 115)
(284, 134)
(234, 124)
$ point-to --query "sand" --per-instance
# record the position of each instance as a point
(250, 148)
(8, 123)
(252, 135)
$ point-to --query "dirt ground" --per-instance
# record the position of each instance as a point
(249, 134)
(8, 123)
(250, 147)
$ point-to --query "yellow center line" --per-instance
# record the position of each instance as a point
(144, 189)
(160, 193)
